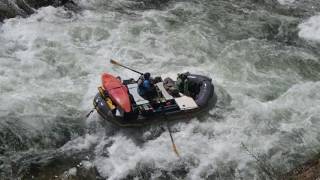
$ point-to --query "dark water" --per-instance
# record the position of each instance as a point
(262, 55)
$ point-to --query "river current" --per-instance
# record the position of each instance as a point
(263, 57)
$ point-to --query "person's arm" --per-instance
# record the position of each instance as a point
(140, 82)
(140, 79)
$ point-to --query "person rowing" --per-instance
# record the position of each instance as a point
(146, 88)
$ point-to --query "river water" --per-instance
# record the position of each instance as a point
(263, 57)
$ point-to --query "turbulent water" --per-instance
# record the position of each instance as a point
(263, 56)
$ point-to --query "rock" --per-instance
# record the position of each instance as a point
(23, 8)
(9, 9)
(310, 170)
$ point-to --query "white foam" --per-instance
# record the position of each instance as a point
(81, 143)
(87, 164)
(286, 2)
(310, 29)
(72, 172)
(247, 125)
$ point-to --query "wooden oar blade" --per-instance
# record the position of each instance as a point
(114, 62)
(175, 150)
(172, 141)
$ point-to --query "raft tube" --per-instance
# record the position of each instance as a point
(206, 89)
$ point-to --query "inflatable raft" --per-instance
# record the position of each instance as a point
(120, 103)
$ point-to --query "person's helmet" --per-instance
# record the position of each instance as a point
(147, 75)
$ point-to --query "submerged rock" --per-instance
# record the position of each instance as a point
(23, 8)
(308, 171)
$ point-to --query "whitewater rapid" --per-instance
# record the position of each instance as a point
(265, 65)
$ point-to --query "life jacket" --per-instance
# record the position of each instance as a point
(144, 86)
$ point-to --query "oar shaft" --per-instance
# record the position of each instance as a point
(131, 69)
(116, 63)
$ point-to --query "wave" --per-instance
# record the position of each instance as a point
(310, 29)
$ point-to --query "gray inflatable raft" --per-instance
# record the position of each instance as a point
(164, 106)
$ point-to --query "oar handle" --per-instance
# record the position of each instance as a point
(112, 61)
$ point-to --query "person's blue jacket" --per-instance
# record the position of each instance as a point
(144, 87)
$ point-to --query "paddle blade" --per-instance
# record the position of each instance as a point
(175, 150)
(114, 62)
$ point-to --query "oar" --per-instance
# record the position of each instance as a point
(112, 61)
(172, 141)
(90, 112)
(174, 147)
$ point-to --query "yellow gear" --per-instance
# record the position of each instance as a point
(106, 99)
